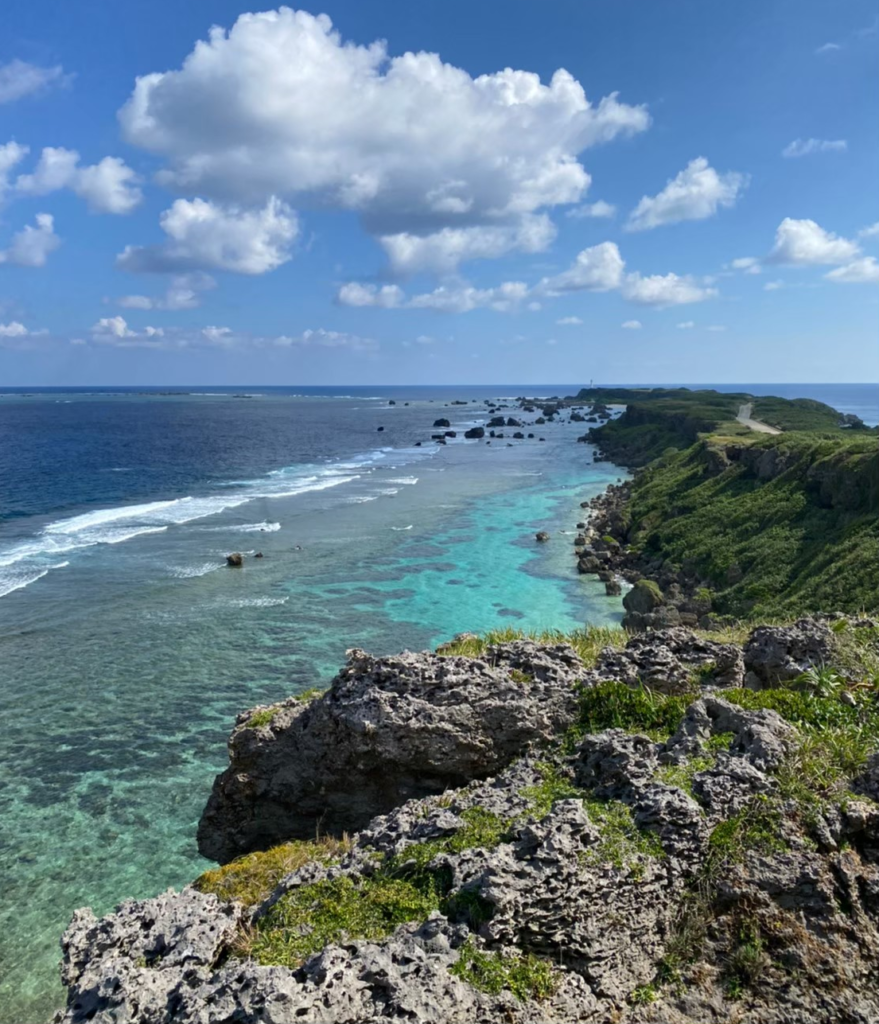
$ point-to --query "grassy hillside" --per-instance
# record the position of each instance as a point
(778, 524)
(775, 524)
(660, 418)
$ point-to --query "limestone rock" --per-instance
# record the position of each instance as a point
(388, 729)
(778, 653)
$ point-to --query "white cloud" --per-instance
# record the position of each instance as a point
(596, 209)
(442, 251)
(205, 234)
(805, 243)
(871, 232)
(773, 286)
(862, 271)
(828, 48)
(389, 296)
(109, 186)
(694, 194)
(279, 106)
(596, 269)
(218, 335)
(321, 338)
(182, 293)
(11, 153)
(632, 325)
(663, 290)
(806, 147)
(463, 298)
(13, 329)
(716, 328)
(686, 325)
(569, 321)
(31, 246)
(747, 264)
(19, 79)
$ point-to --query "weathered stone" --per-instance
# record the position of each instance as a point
(387, 730)
(779, 653)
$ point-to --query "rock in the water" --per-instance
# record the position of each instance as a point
(236, 559)
(475, 433)
(643, 598)
(613, 588)
(542, 536)
(387, 730)
(442, 422)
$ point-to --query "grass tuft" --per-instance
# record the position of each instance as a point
(251, 879)
(525, 975)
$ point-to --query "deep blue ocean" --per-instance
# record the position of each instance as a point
(127, 647)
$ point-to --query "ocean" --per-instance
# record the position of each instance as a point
(127, 646)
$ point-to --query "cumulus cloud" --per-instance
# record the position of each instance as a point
(599, 268)
(202, 234)
(871, 232)
(694, 194)
(632, 325)
(11, 153)
(862, 271)
(31, 246)
(596, 209)
(686, 325)
(19, 79)
(389, 296)
(805, 243)
(442, 251)
(321, 338)
(596, 269)
(109, 186)
(462, 298)
(569, 321)
(806, 147)
(280, 106)
(182, 293)
(747, 264)
(662, 290)
(13, 329)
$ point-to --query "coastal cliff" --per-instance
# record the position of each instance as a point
(671, 827)
(734, 523)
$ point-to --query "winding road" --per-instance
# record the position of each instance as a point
(744, 417)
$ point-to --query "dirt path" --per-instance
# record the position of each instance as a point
(744, 417)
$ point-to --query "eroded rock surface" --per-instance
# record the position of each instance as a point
(387, 730)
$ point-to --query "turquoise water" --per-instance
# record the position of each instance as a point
(123, 671)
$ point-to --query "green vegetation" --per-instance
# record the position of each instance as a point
(788, 524)
(250, 879)
(403, 888)
(776, 525)
(525, 975)
(682, 775)
(622, 843)
(310, 694)
(260, 718)
(614, 705)
(313, 916)
(555, 786)
(588, 643)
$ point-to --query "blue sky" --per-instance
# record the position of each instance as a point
(400, 192)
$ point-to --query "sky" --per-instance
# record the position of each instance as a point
(417, 192)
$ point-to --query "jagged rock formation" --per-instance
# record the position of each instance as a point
(387, 730)
(621, 875)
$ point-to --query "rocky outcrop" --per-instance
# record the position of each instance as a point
(776, 654)
(475, 433)
(235, 560)
(590, 880)
(670, 661)
(387, 730)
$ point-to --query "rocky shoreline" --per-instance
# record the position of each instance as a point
(662, 829)
(662, 594)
